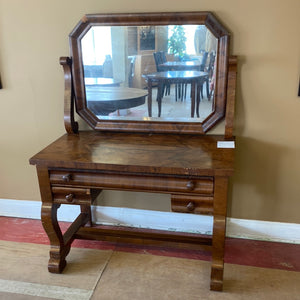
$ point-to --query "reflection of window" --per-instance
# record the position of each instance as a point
(189, 34)
(194, 38)
(96, 45)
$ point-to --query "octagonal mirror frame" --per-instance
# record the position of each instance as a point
(153, 19)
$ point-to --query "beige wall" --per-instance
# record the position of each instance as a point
(266, 186)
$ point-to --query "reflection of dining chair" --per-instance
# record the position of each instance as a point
(203, 68)
(108, 67)
(203, 61)
(210, 68)
(164, 59)
(180, 91)
(160, 58)
(181, 88)
(211, 73)
(93, 71)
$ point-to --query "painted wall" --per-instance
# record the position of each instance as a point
(266, 185)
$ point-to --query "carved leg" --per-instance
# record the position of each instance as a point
(60, 244)
(58, 250)
(218, 239)
(86, 209)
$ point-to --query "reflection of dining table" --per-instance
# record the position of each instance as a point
(105, 100)
(191, 65)
(195, 78)
(102, 81)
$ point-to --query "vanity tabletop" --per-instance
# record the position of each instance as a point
(192, 155)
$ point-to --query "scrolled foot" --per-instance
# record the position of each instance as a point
(216, 286)
(57, 261)
(56, 266)
(216, 281)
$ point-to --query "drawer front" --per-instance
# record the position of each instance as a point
(192, 204)
(133, 182)
(69, 195)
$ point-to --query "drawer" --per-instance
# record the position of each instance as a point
(69, 195)
(192, 204)
(203, 185)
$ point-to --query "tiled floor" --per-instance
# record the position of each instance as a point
(98, 270)
(172, 108)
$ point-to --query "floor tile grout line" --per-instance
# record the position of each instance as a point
(101, 273)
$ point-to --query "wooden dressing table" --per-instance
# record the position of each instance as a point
(175, 158)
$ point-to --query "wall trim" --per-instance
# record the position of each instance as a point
(120, 216)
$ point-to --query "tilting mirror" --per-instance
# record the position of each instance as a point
(118, 61)
(150, 69)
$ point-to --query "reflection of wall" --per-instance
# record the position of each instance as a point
(132, 40)
(200, 39)
(144, 61)
(211, 42)
(162, 38)
(267, 109)
(119, 53)
(144, 64)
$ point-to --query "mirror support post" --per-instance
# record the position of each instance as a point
(70, 125)
(230, 103)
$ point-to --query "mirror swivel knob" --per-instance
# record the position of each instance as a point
(190, 185)
(67, 177)
(190, 206)
(70, 197)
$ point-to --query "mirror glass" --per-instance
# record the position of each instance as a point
(157, 73)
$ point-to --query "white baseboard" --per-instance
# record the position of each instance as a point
(153, 219)
(118, 216)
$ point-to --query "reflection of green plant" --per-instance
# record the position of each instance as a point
(176, 42)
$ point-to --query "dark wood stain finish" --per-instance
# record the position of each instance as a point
(188, 165)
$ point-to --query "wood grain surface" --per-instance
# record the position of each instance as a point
(147, 153)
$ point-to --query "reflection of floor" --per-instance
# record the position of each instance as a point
(171, 108)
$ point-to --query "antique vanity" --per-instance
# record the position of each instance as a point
(127, 149)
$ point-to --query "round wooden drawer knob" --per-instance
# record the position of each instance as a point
(70, 197)
(191, 206)
(190, 185)
(67, 177)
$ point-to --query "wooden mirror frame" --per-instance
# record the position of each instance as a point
(156, 19)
